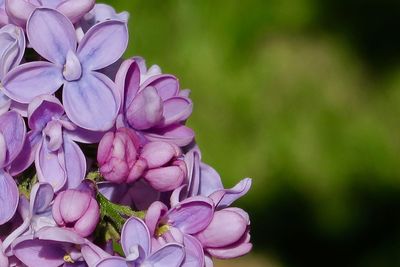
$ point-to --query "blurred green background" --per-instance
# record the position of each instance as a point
(304, 97)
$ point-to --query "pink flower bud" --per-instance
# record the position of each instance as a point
(117, 155)
(77, 210)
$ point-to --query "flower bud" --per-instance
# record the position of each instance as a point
(227, 236)
(77, 210)
(117, 155)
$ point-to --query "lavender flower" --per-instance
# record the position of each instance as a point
(3, 13)
(20, 10)
(89, 97)
(156, 107)
(58, 160)
(136, 244)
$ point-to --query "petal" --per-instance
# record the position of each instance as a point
(75, 9)
(27, 155)
(93, 254)
(135, 233)
(5, 102)
(158, 154)
(33, 79)
(13, 129)
(145, 111)
(153, 215)
(75, 163)
(177, 134)
(167, 86)
(86, 225)
(50, 166)
(39, 253)
(42, 110)
(84, 136)
(92, 103)
(226, 228)
(165, 178)
(192, 160)
(41, 196)
(192, 215)
(3, 150)
(235, 193)
(51, 34)
(231, 252)
(19, 11)
(113, 262)
(12, 47)
(9, 197)
(194, 252)
(127, 81)
(176, 110)
(103, 44)
(170, 255)
(210, 181)
(60, 235)
(73, 205)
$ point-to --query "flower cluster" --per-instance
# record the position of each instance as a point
(97, 166)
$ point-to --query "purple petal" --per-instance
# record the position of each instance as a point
(84, 136)
(231, 252)
(167, 86)
(145, 111)
(92, 103)
(192, 215)
(43, 109)
(33, 79)
(19, 11)
(75, 9)
(73, 205)
(226, 228)
(210, 180)
(93, 254)
(5, 103)
(103, 44)
(12, 48)
(41, 196)
(192, 160)
(135, 233)
(50, 166)
(13, 129)
(194, 252)
(75, 163)
(165, 178)
(60, 235)
(170, 255)
(176, 110)
(113, 262)
(39, 253)
(153, 215)
(158, 154)
(128, 81)
(9, 197)
(86, 225)
(51, 34)
(27, 155)
(177, 134)
(235, 193)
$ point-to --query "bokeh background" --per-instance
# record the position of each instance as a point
(304, 97)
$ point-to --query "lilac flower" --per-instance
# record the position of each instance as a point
(122, 160)
(90, 98)
(12, 136)
(136, 244)
(203, 180)
(36, 213)
(53, 247)
(180, 224)
(78, 210)
(12, 48)
(58, 160)
(156, 108)
(227, 236)
(20, 10)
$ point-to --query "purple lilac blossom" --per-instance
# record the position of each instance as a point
(58, 160)
(90, 98)
(155, 108)
(136, 244)
(20, 10)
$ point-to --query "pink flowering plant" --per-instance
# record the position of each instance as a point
(97, 166)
